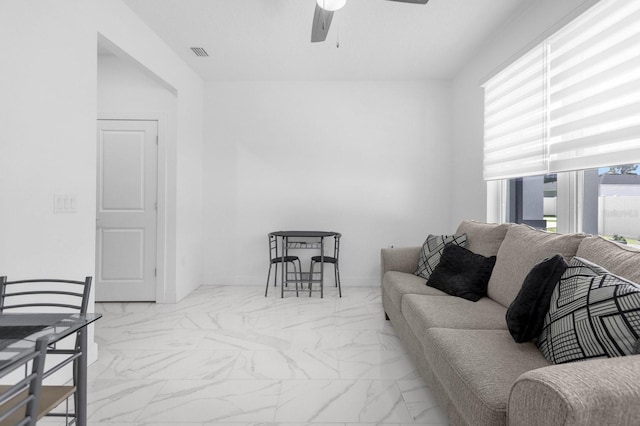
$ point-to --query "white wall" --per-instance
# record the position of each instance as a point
(124, 89)
(47, 137)
(536, 18)
(368, 159)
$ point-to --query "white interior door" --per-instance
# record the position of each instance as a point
(126, 210)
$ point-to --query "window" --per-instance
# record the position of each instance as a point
(594, 88)
(532, 201)
(561, 120)
(603, 201)
(570, 103)
(612, 203)
(514, 131)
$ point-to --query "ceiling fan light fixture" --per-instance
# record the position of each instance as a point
(331, 5)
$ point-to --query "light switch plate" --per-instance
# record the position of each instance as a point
(64, 203)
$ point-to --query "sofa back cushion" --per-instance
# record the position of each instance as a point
(524, 247)
(616, 258)
(483, 238)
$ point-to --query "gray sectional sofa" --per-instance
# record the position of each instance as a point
(467, 356)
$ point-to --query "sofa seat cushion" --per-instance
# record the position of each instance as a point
(477, 369)
(424, 312)
(397, 284)
(524, 247)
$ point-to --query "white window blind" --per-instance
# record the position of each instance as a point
(515, 119)
(594, 88)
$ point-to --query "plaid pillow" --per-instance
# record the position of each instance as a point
(432, 251)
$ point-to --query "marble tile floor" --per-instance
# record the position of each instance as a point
(229, 356)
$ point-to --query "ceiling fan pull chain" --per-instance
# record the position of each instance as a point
(338, 35)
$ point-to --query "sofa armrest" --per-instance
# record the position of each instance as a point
(401, 259)
(595, 392)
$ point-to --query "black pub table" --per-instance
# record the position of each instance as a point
(303, 240)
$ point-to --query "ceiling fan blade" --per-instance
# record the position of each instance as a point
(321, 23)
(412, 1)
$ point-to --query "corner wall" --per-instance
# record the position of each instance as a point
(368, 159)
(48, 114)
(183, 198)
(519, 32)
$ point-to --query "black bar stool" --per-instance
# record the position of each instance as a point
(330, 259)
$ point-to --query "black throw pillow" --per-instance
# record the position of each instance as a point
(462, 273)
(525, 316)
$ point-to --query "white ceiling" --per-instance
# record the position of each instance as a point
(270, 39)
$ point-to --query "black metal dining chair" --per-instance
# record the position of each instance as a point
(19, 401)
(51, 296)
(61, 295)
(275, 258)
(329, 259)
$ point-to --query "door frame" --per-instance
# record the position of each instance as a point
(161, 234)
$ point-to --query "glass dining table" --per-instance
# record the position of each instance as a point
(293, 240)
(19, 332)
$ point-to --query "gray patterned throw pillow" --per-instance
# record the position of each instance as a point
(432, 251)
(593, 314)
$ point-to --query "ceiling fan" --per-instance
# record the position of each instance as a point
(324, 14)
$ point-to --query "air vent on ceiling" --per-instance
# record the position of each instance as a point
(199, 51)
